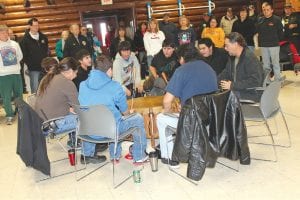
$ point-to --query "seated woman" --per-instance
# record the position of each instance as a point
(56, 93)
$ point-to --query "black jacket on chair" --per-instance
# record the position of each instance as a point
(210, 126)
(31, 144)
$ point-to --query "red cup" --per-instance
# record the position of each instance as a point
(71, 153)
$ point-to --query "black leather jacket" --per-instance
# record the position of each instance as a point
(210, 126)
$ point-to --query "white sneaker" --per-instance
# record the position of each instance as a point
(145, 159)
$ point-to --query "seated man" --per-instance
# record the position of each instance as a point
(99, 88)
(84, 58)
(127, 70)
(214, 56)
(243, 69)
(162, 68)
(194, 77)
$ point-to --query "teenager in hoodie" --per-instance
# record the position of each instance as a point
(99, 88)
(126, 69)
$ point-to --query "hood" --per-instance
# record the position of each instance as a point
(97, 79)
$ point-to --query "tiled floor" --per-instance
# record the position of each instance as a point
(260, 180)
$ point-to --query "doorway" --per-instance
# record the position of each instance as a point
(104, 23)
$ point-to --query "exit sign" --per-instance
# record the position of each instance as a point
(106, 2)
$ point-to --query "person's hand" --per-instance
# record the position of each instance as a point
(225, 85)
(291, 26)
(140, 89)
(128, 93)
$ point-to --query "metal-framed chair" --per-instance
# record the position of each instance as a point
(30, 130)
(267, 108)
(50, 126)
(98, 120)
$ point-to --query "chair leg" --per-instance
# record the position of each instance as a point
(288, 131)
(273, 145)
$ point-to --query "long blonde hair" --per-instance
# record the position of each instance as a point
(153, 21)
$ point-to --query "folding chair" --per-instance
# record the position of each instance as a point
(98, 120)
(29, 119)
(267, 108)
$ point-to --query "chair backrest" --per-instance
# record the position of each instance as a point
(96, 120)
(269, 100)
(31, 99)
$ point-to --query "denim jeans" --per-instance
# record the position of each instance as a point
(139, 139)
(68, 123)
(273, 54)
(149, 61)
(34, 80)
(162, 122)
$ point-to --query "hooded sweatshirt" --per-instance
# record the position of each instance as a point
(100, 89)
(10, 57)
(127, 71)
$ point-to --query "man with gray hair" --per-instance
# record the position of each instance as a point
(243, 69)
(10, 78)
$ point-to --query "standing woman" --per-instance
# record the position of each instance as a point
(57, 93)
(140, 47)
(215, 33)
(185, 34)
(153, 40)
(121, 36)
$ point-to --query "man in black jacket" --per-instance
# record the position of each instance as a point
(34, 46)
(270, 32)
(75, 42)
(216, 57)
(243, 69)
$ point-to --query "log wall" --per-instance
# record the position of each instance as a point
(55, 18)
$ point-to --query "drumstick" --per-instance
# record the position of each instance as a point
(133, 86)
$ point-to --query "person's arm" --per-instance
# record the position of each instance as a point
(58, 49)
(146, 43)
(167, 102)
(19, 53)
(153, 71)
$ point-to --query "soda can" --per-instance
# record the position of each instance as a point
(136, 176)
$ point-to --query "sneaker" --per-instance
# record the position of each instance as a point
(9, 120)
(93, 160)
(143, 160)
(172, 163)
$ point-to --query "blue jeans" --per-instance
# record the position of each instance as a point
(273, 54)
(68, 123)
(149, 61)
(162, 122)
(139, 139)
(34, 80)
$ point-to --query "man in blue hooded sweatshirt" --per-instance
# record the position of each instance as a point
(98, 89)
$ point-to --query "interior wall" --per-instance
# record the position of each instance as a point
(55, 18)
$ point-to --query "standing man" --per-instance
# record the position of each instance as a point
(269, 29)
(291, 26)
(243, 69)
(192, 78)
(75, 42)
(227, 21)
(216, 57)
(168, 28)
(10, 78)
(34, 47)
